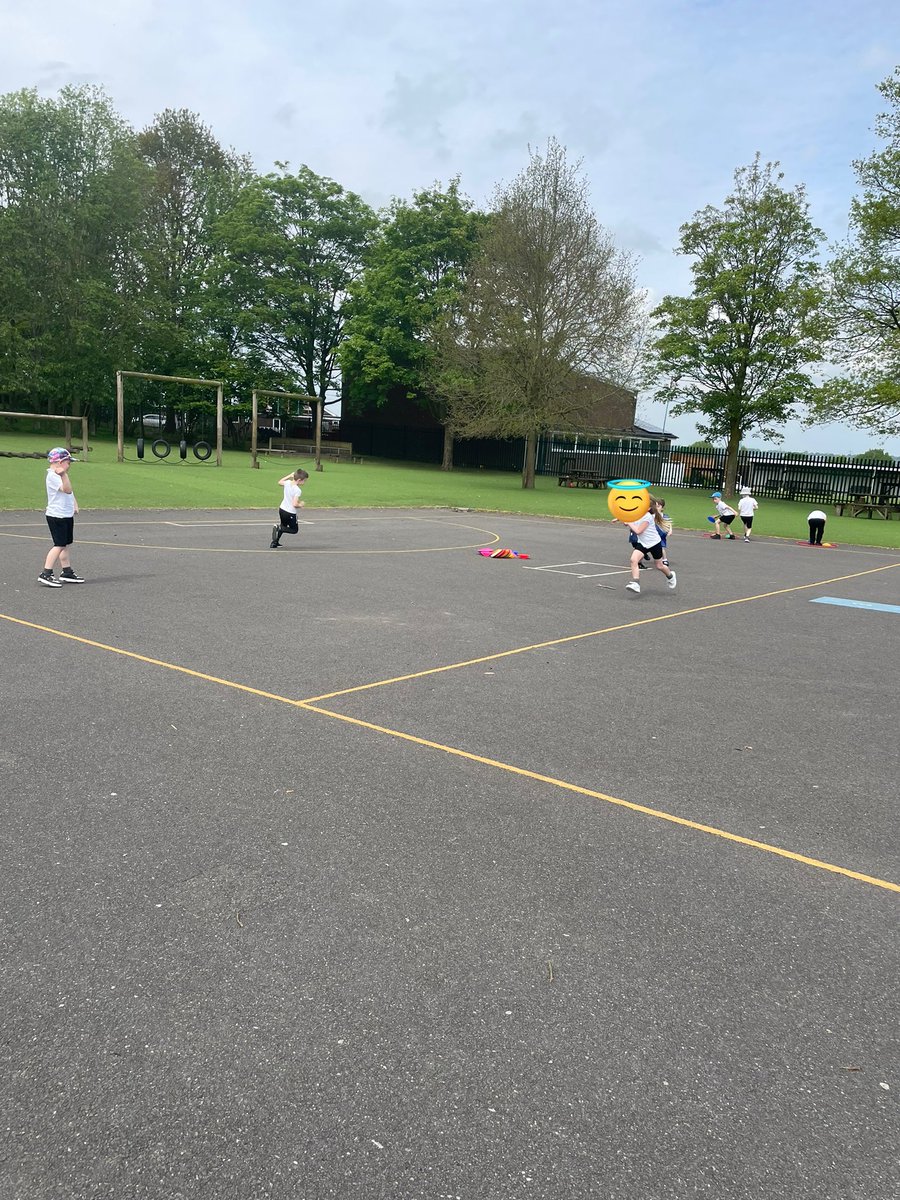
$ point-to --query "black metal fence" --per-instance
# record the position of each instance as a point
(813, 478)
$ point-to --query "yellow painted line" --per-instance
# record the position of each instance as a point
(578, 637)
(489, 538)
(83, 541)
(154, 662)
(306, 705)
(766, 847)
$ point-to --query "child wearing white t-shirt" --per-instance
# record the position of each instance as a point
(649, 541)
(747, 506)
(287, 510)
(725, 514)
(60, 513)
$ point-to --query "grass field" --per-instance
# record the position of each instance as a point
(102, 483)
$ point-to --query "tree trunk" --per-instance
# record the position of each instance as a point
(530, 456)
(731, 457)
(317, 417)
(447, 462)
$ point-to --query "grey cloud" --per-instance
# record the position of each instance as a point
(285, 113)
(418, 108)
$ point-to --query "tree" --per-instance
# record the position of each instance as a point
(413, 274)
(291, 247)
(549, 312)
(71, 193)
(865, 297)
(193, 183)
(736, 351)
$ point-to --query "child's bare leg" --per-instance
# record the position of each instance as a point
(52, 556)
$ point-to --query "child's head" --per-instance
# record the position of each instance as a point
(59, 454)
(300, 475)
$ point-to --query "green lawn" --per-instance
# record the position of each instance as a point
(171, 483)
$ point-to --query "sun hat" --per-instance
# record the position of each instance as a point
(745, 491)
(58, 454)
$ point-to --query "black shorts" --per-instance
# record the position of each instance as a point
(62, 530)
(654, 551)
(748, 522)
(288, 521)
(727, 520)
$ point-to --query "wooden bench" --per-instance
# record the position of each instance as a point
(339, 451)
(868, 508)
(582, 479)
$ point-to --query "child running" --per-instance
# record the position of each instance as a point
(287, 511)
(649, 542)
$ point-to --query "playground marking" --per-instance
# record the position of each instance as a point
(469, 756)
(869, 604)
(561, 569)
(579, 637)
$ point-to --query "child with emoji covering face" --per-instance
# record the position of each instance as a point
(649, 541)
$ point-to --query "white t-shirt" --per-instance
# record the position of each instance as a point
(723, 509)
(291, 494)
(647, 533)
(816, 515)
(59, 503)
(747, 506)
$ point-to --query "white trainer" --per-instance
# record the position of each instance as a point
(633, 587)
(672, 581)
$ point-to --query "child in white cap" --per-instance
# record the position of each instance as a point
(60, 512)
(747, 506)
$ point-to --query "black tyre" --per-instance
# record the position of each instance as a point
(203, 450)
(182, 448)
(139, 445)
(161, 448)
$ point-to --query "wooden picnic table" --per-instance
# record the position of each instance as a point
(582, 479)
(868, 508)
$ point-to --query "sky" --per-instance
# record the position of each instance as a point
(660, 100)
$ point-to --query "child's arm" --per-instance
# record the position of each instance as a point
(287, 479)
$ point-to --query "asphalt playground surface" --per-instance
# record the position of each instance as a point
(373, 868)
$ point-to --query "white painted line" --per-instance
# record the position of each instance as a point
(565, 569)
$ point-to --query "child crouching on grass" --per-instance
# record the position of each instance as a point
(287, 510)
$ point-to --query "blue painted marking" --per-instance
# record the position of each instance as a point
(893, 608)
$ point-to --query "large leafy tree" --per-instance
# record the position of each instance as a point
(71, 194)
(736, 352)
(414, 272)
(193, 183)
(550, 310)
(290, 249)
(865, 277)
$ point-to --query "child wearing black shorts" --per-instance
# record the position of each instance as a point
(60, 513)
(287, 510)
(725, 514)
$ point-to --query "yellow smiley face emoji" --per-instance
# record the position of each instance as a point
(628, 499)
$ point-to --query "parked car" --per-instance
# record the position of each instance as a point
(150, 421)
